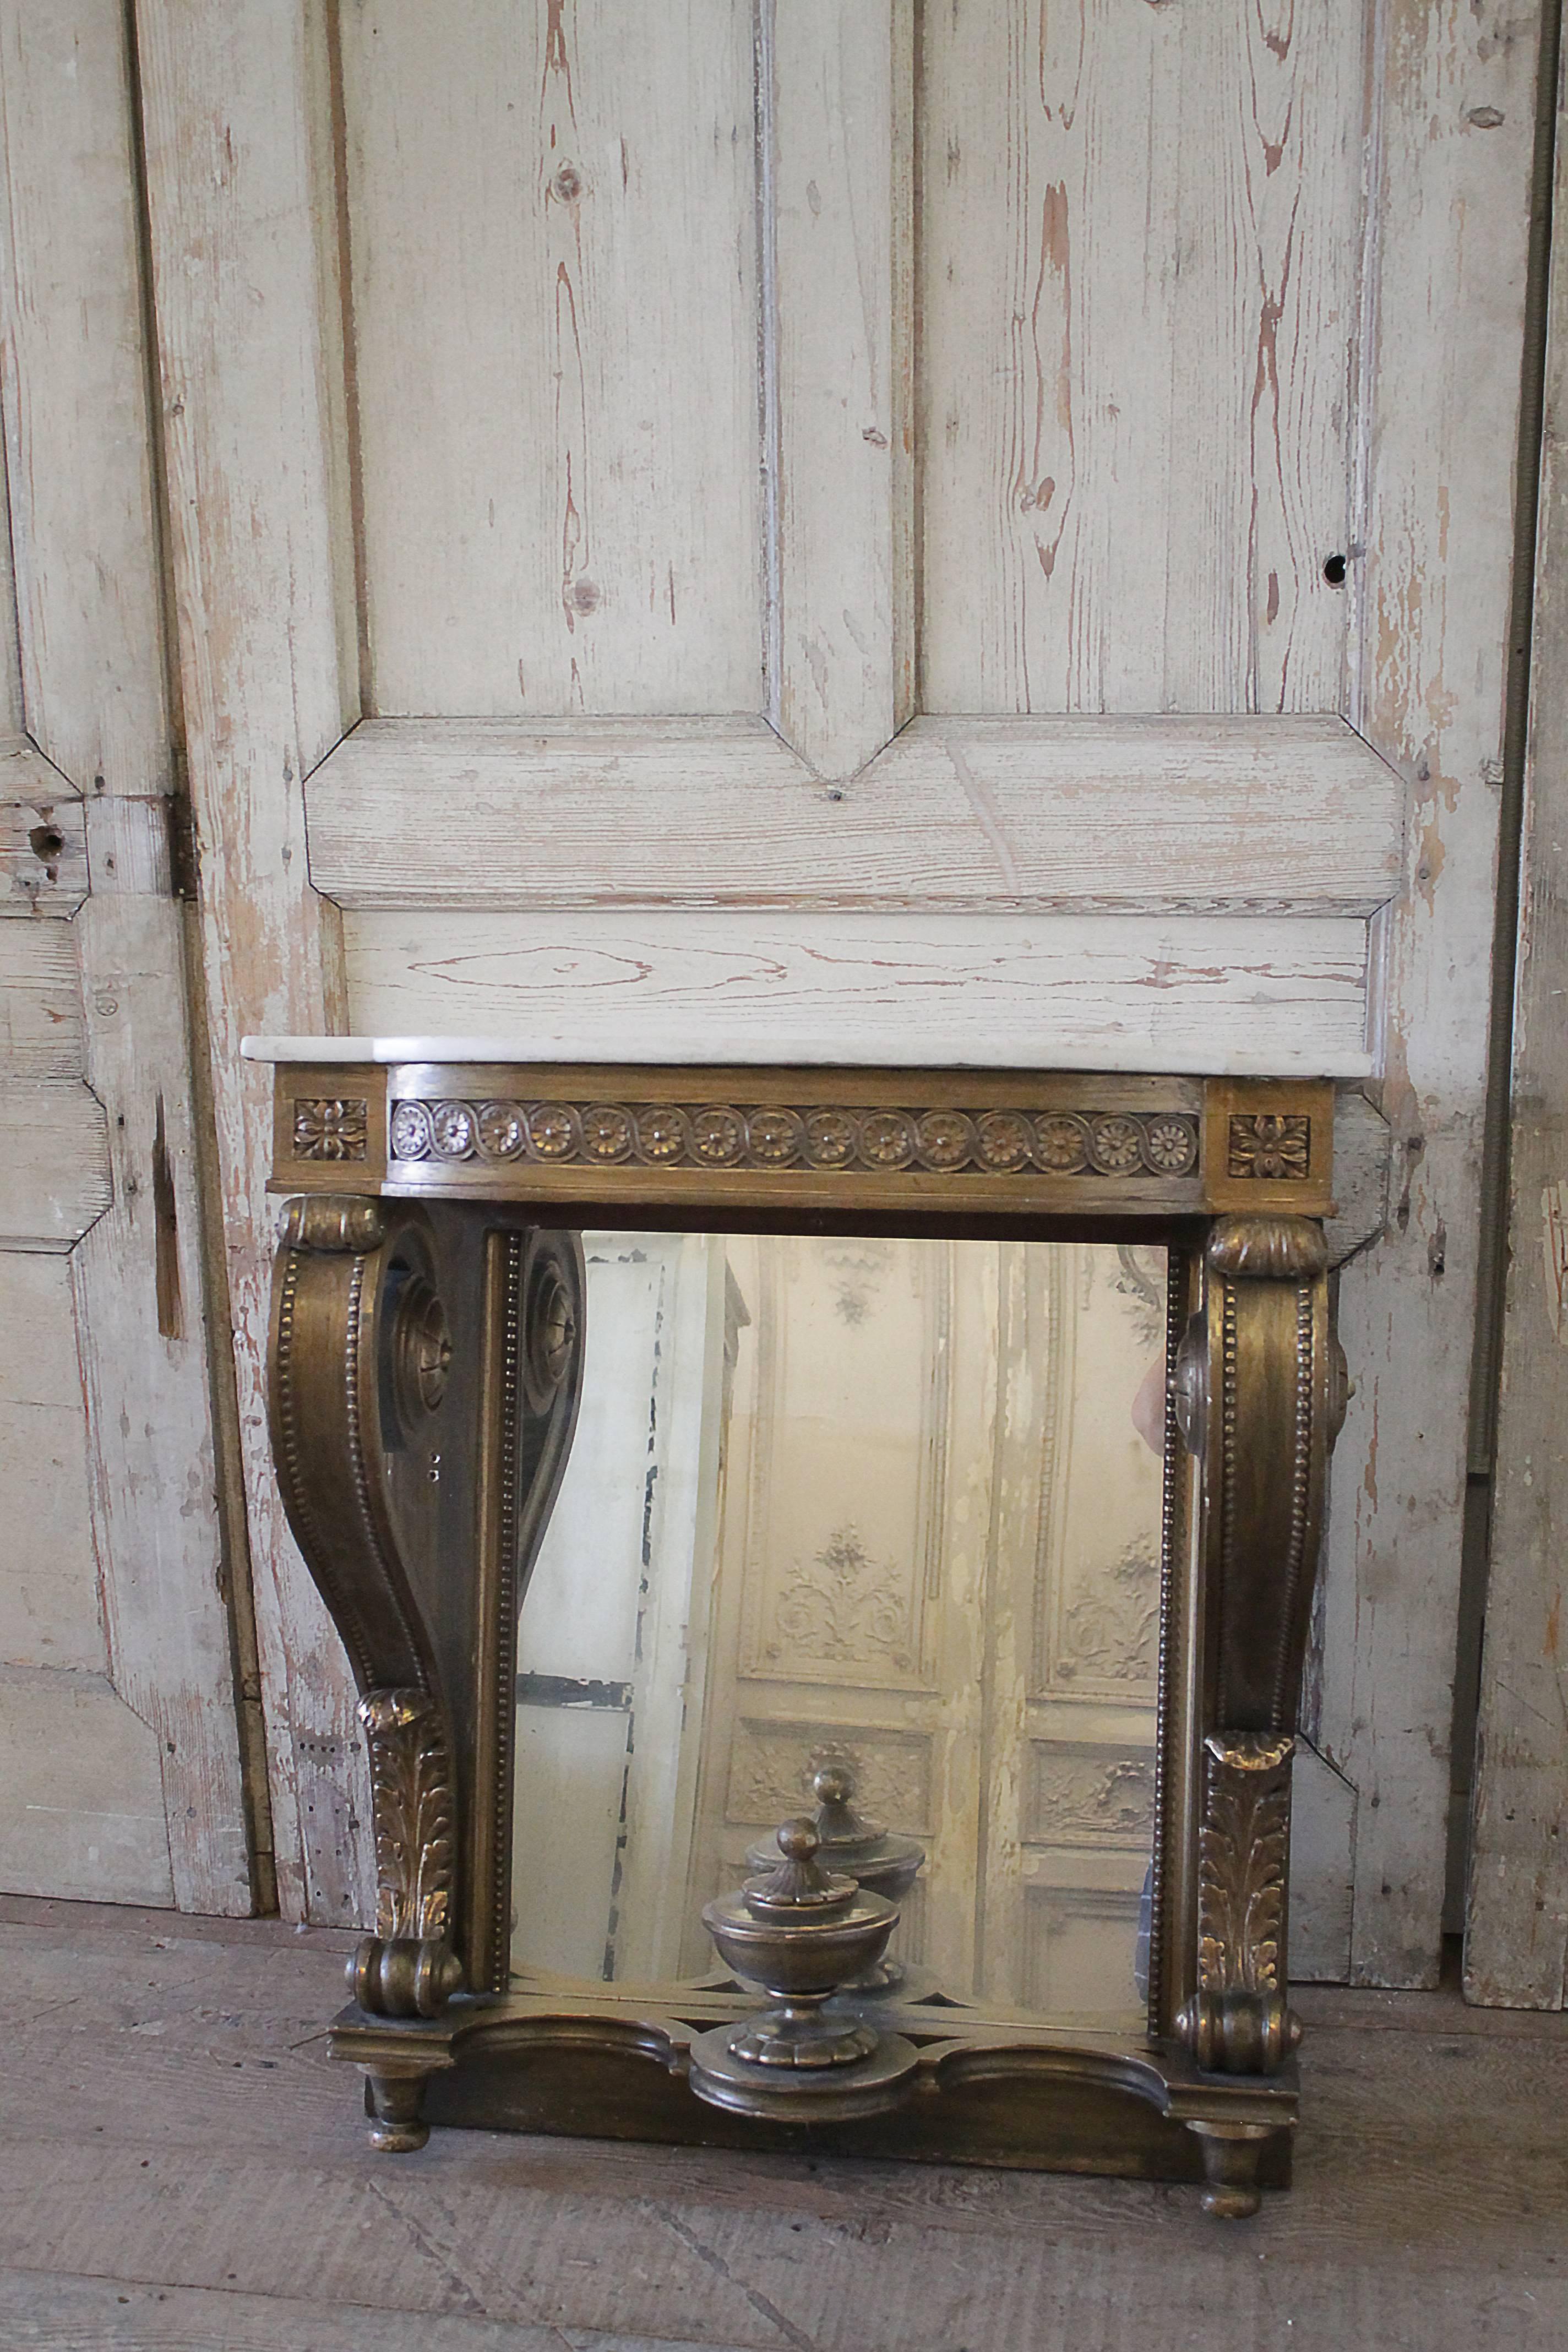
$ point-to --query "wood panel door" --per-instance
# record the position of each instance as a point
(768, 523)
(120, 1744)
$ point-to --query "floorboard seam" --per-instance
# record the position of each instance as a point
(428, 2246)
(793, 2335)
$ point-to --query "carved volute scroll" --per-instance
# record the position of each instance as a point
(359, 1350)
(425, 1372)
(1259, 1394)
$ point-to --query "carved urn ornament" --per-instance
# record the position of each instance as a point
(803, 1933)
(427, 1346)
(876, 1861)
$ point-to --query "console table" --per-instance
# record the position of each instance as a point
(428, 1343)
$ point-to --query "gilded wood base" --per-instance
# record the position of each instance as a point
(427, 1344)
(982, 2096)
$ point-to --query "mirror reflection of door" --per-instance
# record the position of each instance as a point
(879, 1503)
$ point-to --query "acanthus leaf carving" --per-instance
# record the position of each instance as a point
(411, 1783)
(1237, 2021)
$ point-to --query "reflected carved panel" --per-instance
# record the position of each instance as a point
(1097, 1593)
(846, 1476)
(1080, 1950)
(1105, 1634)
(772, 1764)
(842, 1608)
(1090, 1797)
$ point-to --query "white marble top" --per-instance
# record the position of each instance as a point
(1110, 1054)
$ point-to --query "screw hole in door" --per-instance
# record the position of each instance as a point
(1334, 570)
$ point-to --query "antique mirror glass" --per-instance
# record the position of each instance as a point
(884, 1507)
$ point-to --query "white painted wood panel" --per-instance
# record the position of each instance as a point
(233, 107)
(74, 384)
(53, 1163)
(1444, 290)
(550, 214)
(82, 1815)
(139, 1280)
(1056, 992)
(49, 1613)
(837, 102)
(40, 1003)
(1244, 814)
(76, 389)
(1139, 263)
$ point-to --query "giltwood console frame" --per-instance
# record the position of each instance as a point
(427, 1338)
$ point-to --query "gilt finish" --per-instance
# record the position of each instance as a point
(417, 1470)
(426, 1358)
(1258, 1391)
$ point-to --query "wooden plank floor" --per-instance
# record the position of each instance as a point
(181, 2167)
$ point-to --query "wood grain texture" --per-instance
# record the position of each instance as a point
(83, 1808)
(41, 1033)
(49, 1608)
(53, 1163)
(1051, 993)
(1451, 134)
(1363, 1148)
(74, 386)
(173, 2125)
(94, 677)
(1516, 1944)
(1244, 815)
(231, 111)
(143, 1340)
(36, 878)
(837, 103)
(550, 216)
(52, 2312)
(1138, 289)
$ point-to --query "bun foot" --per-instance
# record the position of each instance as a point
(393, 2101)
(1233, 2155)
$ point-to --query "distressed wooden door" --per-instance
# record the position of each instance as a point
(593, 433)
(120, 1768)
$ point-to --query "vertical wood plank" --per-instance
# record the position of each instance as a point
(838, 106)
(73, 380)
(1516, 1944)
(1262, 319)
(1138, 278)
(142, 1338)
(231, 130)
(1450, 160)
(555, 304)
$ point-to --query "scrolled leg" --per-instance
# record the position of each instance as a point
(1258, 1386)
